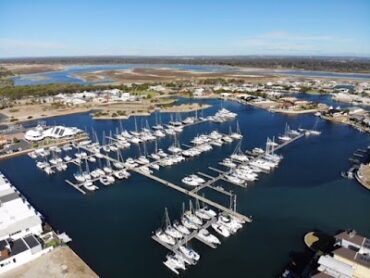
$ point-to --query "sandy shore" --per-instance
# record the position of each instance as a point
(295, 112)
(184, 108)
(60, 262)
(122, 113)
(160, 74)
(32, 68)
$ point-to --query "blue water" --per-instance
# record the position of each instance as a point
(111, 228)
(66, 75)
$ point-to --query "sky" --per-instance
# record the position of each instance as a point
(31, 28)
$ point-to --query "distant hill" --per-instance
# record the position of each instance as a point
(335, 64)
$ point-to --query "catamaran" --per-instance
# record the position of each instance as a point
(207, 236)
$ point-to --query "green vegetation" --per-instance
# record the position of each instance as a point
(17, 92)
(52, 243)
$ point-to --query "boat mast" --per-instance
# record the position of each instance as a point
(167, 218)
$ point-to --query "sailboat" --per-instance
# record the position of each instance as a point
(78, 176)
(314, 130)
(238, 154)
(236, 135)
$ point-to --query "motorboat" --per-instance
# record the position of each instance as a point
(189, 253)
(190, 181)
(67, 158)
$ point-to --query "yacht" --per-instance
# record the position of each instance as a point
(220, 229)
(262, 164)
(89, 185)
(154, 166)
(79, 177)
(174, 263)
(210, 212)
(155, 156)
(227, 139)
(188, 120)
(257, 151)
(130, 163)
(174, 149)
(162, 236)
(142, 160)
(190, 181)
(145, 170)
(67, 158)
(229, 223)
(135, 140)
(234, 179)
(95, 174)
(48, 170)
(181, 228)
(106, 180)
(42, 165)
(159, 133)
(207, 236)
(98, 154)
(202, 214)
(121, 174)
(227, 162)
(193, 218)
(188, 224)
(170, 131)
(67, 148)
(174, 233)
(32, 155)
(92, 159)
(239, 157)
(189, 253)
(161, 153)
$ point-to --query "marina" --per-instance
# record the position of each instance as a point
(163, 187)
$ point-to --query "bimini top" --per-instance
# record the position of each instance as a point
(57, 132)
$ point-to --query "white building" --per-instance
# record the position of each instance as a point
(57, 132)
(20, 226)
(17, 217)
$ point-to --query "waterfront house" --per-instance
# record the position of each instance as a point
(20, 228)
